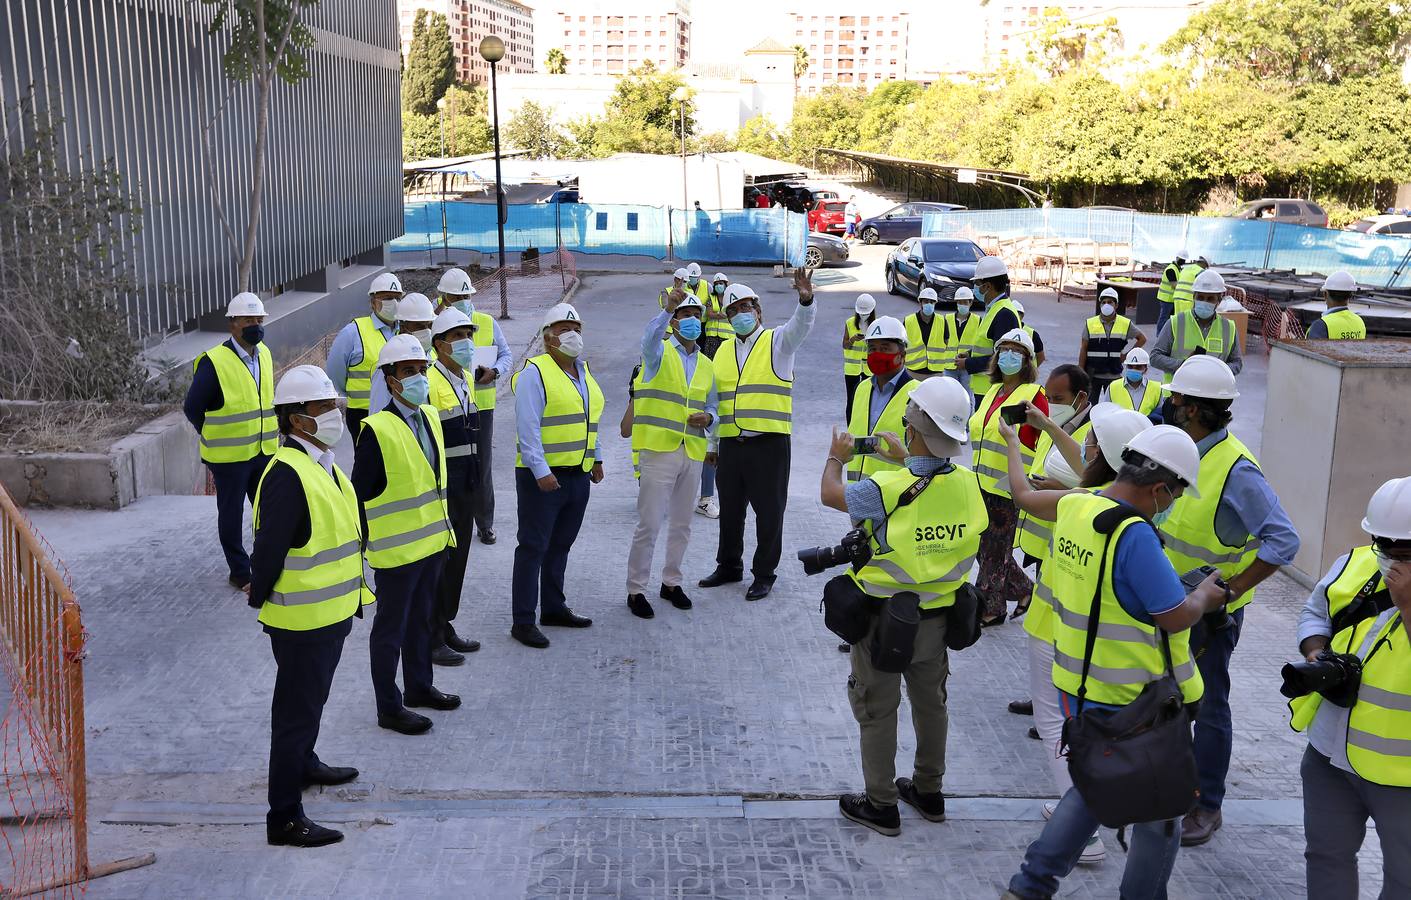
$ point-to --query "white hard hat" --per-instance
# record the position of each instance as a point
(1340, 281)
(1203, 376)
(245, 304)
(691, 301)
(737, 292)
(947, 404)
(415, 307)
(693, 270)
(1389, 511)
(386, 283)
(719, 276)
(400, 348)
(1173, 450)
(864, 305)
(1208, 282)
(448, 319)
(455, 281)
(563, 312)
(1018, 336)
(679, 274)
(304, 384)
(1057, 468)
(1107, 293)
(1137, 357)
(1115, 427)
(886, 328)
(1183, 253)
(927, 294)
(964, 293)
(1018, 308)
(990, 267)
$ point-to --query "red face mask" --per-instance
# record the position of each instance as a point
(883, 363)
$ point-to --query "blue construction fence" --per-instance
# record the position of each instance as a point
(707, 236)
(1379, 260)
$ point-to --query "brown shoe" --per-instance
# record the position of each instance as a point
(1199, 826)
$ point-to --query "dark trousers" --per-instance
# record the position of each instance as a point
(401, 627)
(482, 499)
(548, 526)
(1100, 383)
(1336, 806)
(235, 483)
(448, 589)
(710, 344)
(754, 473)
(852, 381)
(354, 418)
(305, 662)
(1214, 730)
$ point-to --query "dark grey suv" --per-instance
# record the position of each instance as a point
(1284, 209)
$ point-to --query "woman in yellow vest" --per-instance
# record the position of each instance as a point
(717, 331)
(307, 584)
(399, 472)
(854, 345)
(1358, 761)
(880, 401)
(1338, 323)
(557, 405)
(1133, 390)
(1014, 384)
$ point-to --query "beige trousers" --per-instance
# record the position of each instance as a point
(666, 492)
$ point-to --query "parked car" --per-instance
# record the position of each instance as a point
(900, 222)
(827, 216)
(825, 195)
(1289, 210)
(941, 263)
(824, 249)
(1379, 253)
(563, 195)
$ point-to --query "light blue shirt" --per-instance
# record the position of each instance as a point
(529, 403)
(251, 360)
(864, 498)
(1250, 507)
(653, 348)
(1313, 619)
(882, 392)
(346, 352)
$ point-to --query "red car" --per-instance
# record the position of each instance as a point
(827, 217)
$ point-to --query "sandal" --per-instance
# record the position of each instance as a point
(997, 619)
(1022, 608)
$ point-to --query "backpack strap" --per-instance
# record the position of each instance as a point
(1106, 523)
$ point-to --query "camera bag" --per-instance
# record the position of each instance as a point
(894, 641)
(847, 610)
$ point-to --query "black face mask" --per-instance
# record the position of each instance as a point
(252, 334)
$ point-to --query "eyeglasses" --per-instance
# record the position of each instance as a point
(1391, 551)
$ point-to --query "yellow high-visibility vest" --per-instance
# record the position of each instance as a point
(983, 345)
(1032, 534)
(991, 460)
(409, 520)
(358, 386)
(569, 432)
(1186, 337)
(484, 336)
(863, 465)
(755, 399)
(661, 406)
(1105, 350)
(454, 417)
(244, 426)
(1151, 396)
(1344, 325)
(856, 355)
(1183, 297)
(935, 353)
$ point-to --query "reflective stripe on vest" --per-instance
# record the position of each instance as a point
(321, 582)
(1032, 534)
(452, 413)
(981, 345)
(484, 336)
(359, 380)
(244, 425)
(1189, 534)
(1165, 291)
(1358, 570)
(936, 352)
(660, 407)
(408, 521)
(929, 545)
(716, 328)
(1118, 393)
(1183, 297)
(863, 465)
(568, 432)
(856, 355)
(991, 459)
(1127, 653)
(1344, 325)
(1105, 350)
(1186, 337)
(757, 399)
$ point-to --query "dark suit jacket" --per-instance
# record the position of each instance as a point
(369, 476)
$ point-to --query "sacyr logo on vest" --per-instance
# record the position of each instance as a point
(1074, 552)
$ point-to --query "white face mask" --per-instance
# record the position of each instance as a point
(571, 344)
(1108, 309)
(328, 427)
(464, 306)
(387, 311)
(1061, 413)
(424, 337)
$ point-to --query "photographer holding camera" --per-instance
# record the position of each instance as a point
(1353, 696)
(922, 526)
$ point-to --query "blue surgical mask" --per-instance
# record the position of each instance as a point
(689, 328)
(962, 313)
(743, 323)
(1204, 309)
(693, 280)
(928, 309)
(464, 306)
(1161, 516)
(1133, 376)
(415, 389)
(1010, 361)
(718, 288)
(463, 352)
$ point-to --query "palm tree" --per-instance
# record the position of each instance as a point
(800, 65)
(555, 62)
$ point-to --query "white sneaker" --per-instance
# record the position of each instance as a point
(1094, 852)
(1049, 807)
(708, 507)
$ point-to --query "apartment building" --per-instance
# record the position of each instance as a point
(471, 21)
(852, 49)
(612, 37)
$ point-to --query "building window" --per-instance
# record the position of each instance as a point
(631, 221)
(600, 221)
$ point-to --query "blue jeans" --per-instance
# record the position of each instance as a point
(1214, 733)
(707, 480)
(548, 526)
(1055, 853)
(1163, 315)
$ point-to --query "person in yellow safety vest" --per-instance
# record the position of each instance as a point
(854, 347)
(557, 407)
(1014, 378)
(1198, 332)
(307, 583)
(678, 280)
(1338, 323)
(673, 407)
(694, 284)
(1358, 761)
(1166, 288)
(399, 473)
(455, 292)
(880, 401)
(1134, 391)
(754, 375)
(1182, 296)
(998, 317)
(1238, 527)
(231, 405)
(415, 313)
(353, 355)
(453, 395)
(923, 523)
(1038, 339)
(1106, 338)
(964, 328)
(717, 325)
(930, 344)
(1107, 562)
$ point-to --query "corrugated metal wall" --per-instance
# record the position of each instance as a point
(135, 81)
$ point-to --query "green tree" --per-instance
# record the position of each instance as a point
(800, 65)
(1060, 45)
(882, 111)
(711, 142)
(640, 117)
(1299, 41)
(760, 135)
(830, 119)
(532, 129)
(555, 62)
(430, 66)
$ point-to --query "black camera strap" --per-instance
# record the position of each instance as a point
(917, 488)
(1365, 604)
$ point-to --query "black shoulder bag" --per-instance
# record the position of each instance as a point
(1137, 763)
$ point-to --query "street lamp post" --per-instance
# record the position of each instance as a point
(445, 238)
(492, 50)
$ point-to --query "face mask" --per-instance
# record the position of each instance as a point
(1204, 309)
(1108, 310)
(1162, 515)
(693, 281)
(1384, 565)
(415, 389)
(423, 337)
(463, 352)
(1060, 413)
(571, 344)
(882, 363)
(328, 427)
(743, 323)
(962, 313)
(689, 328)
(928, 309)
(1010, 361)
(464, 306)
(717, 288)
(252, 334)
(387, 311)
(1133, 376)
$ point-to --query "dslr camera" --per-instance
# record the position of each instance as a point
(1216, 619)
(1336, 676)
(854, 548)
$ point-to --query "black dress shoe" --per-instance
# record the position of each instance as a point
(1021, 707)
(721, 576)
(566, 619)
(404, 721)
(445, 656)
(487, 536)
(529, 636)
(759, 589)
(301, 833)
(1034, 734)
(845, 648)
(677, 596)
(460, 644)
(239, 582)
(931, 806)
(329, 775)
(881, 819)
(639, 606)
(434, 700)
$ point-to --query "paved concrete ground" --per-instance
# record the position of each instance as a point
(696, 754)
